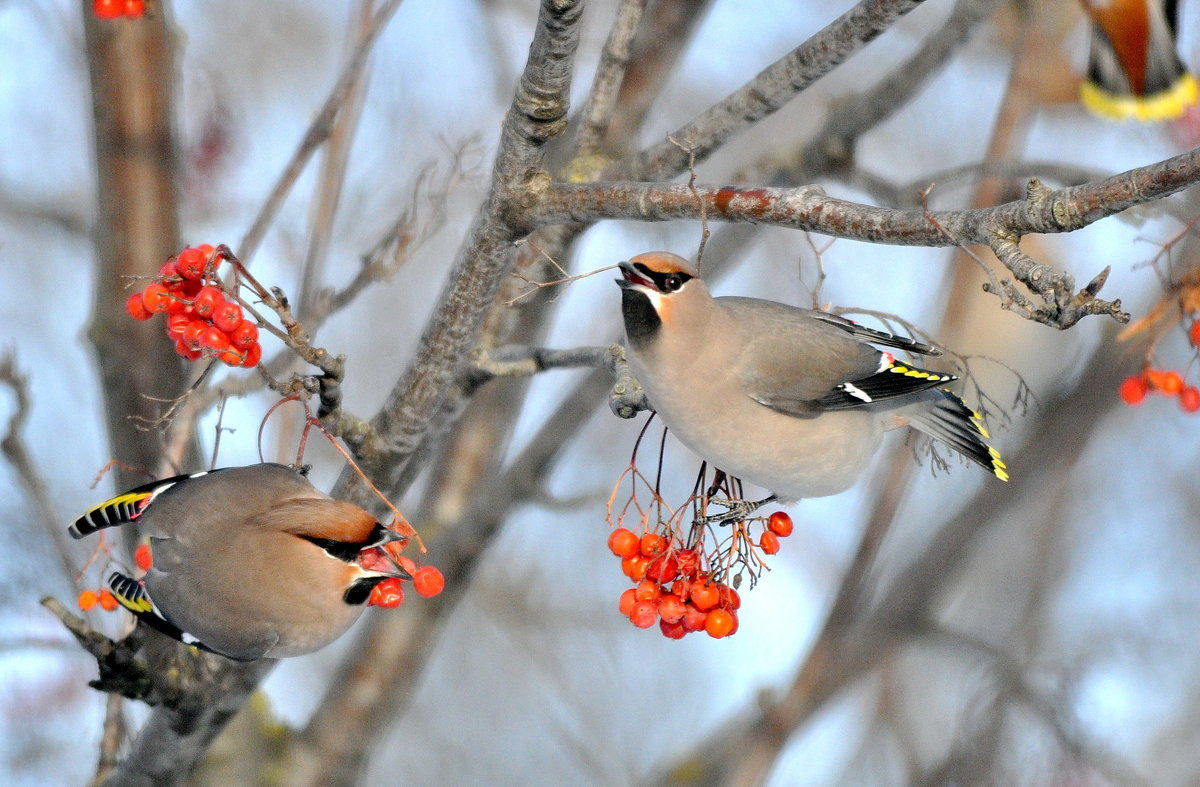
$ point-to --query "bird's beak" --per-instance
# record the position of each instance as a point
(631, 277)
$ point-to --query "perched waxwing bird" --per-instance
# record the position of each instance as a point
(1134, 71)
(792, 400)
(248, 562)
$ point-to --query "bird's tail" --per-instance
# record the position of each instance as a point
(944, 416)
(1134, 71)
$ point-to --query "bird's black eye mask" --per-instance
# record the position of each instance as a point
(663, 281)
(347, 551)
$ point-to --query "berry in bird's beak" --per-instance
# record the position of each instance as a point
(632, 278)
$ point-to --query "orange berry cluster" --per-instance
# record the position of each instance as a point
(675, 584)
(1133, 389)
(88, 599)
(112, 9)
(1168, 382)
(389, 594)
(200, 320)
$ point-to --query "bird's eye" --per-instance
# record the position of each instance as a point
(673, 282)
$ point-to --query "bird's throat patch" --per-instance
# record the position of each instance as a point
(642, 322)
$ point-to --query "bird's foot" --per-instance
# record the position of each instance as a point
(735, 510)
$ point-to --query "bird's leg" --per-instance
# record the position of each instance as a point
(736, 510)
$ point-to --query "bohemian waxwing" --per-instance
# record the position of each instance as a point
(248, 562)
(789, 399)
(1134, 71)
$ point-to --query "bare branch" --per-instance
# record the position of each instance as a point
(773, 87)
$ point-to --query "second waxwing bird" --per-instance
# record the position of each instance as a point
(793, 400)
(248, 562)
(1134, 70)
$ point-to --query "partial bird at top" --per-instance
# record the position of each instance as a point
(793, 400)
(1134, 70)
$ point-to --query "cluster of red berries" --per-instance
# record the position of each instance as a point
(389, 593)
(88, 599)
(675, 584)
(1168, 382)
(112, 9)
(200, 320)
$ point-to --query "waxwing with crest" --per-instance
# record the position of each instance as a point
(789, 399)
(248, 562)
(1134, 70)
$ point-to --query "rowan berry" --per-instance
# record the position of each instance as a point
(624, 542)
(644, 614)
(108, 602)
(389, 593)
(227, 316)
(705, 595)
(1194, 334)
(244, 335)
(769, 542)
(253, 355)
(626, 602)
(671, 608)
(428, 581)
(1133, 390)
(720, 623)
(207, 300)
(652, 544)
(693, 619)
(134, 8)
(662, 568)
(87, 600)
(108, 9)
(136, 307)
(780, 524)
(142, 557)
(190, 263)
(1189, 399)
(671, 630)
(155, 297)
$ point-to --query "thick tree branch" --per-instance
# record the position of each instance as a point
(538, 114)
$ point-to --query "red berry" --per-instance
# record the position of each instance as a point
(168, 273)
(693, 619)
(108, 602)
(141, 556)
(1133, 390)
(769, 542)
(780, 524)
(626, 602)
(207, 300)
(662, 568)
(185, 350)
(1172, 383)
(134, 8)
(108, 9)
(648, 590)
(155, 298)
(253, 356)
(635, 567)
(388, 594)
(230, 357)
(1189, 399)
(190, 263)
(644, 614)
(729, 597)
(652, 544)
(672, 630)
(428, 581)
(227, 316)
(624, 542)
(214, 339)
(689, 562)
(192, 333)
(136, 307)
(1194, 334)
(244, 335)
(177, 303)
(720, 623)
(176, 323)
(207, 250)
(671, 608)
(87, 599)
(705, 595)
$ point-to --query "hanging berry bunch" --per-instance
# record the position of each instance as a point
(686, 566)
(114, 9)
(1179, 307)
(201, 321)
